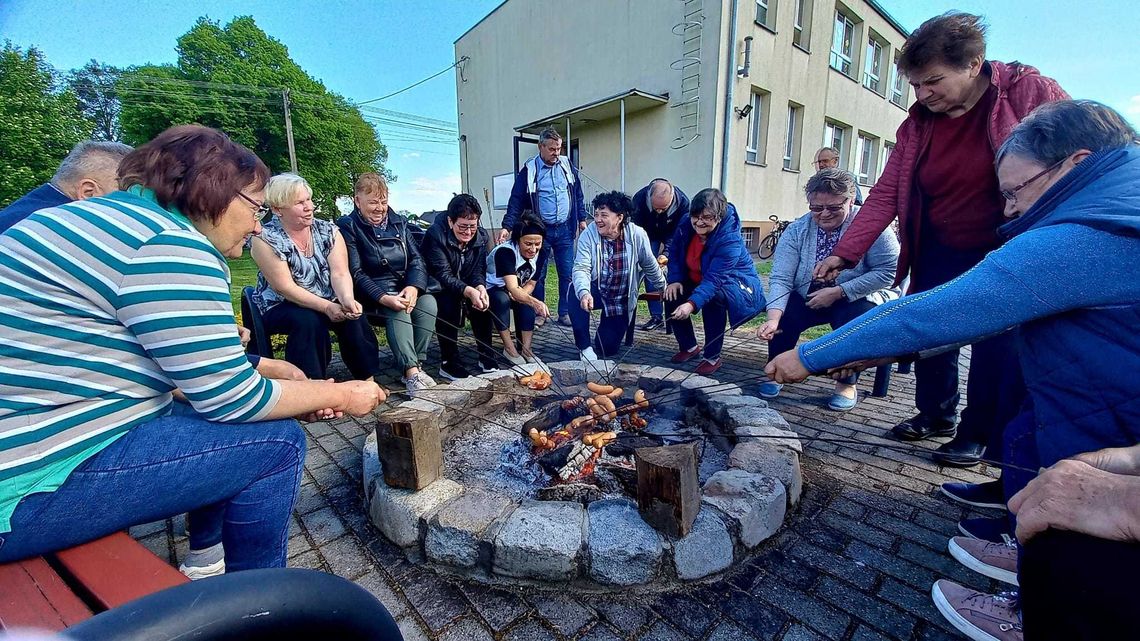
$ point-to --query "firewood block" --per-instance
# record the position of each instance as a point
(410, 448)
(668, 492)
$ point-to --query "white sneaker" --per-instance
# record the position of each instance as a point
(419, 382)
(198, 572)
(589, 354)
(514, 360)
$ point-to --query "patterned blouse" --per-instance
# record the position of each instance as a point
(310, 272)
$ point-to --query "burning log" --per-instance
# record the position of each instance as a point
(668, 492)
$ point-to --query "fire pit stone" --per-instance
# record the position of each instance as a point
(566, 373)
(771, 460)
(541, 540)
(754, 503)
(706, 550)
(624, 550)
(398, 512)
(718, 406)
(458, 533)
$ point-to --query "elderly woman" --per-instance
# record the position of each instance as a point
(390, 276)
(455, 250)
(111, 303)
(613, 256)
(711, 271)
(304, 288)
(940, 184)
(797, 302)
(512, 274)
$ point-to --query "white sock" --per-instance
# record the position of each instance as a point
(203, 558)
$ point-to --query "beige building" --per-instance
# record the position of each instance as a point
(678, 89)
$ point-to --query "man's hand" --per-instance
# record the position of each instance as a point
(1073, 495)
(1117, 460)
(787, 368)
(683, 311)
(279, 370)
(586, 302)
(824, 298)
(504, 235)
(409, 295)
(673, 291)
(582, 226)
(767, 331)
(828, 268)
(855, 367)
(361, 397)
(244, 336)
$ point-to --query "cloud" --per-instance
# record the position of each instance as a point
(413, 154)
(1133, 108)
(424, 193)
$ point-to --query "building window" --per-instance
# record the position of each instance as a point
(748, 235)
(801, 35)
(888, 148)
(867, 153)
(873, 66)
(792, 142)
(842, 43)
(765, 14)
(837, 136)
(898, 86)
(757, 129)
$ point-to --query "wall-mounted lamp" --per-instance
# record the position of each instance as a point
(742, 112)
(742, 70)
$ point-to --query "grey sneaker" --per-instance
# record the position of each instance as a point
(419, 382)
(979, 616)
(995, 560)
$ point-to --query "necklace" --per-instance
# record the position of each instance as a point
(306, 246)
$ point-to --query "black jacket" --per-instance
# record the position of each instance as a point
(382, 261)
(455, 268)
(659, 229)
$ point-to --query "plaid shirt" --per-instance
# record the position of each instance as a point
(613, 277)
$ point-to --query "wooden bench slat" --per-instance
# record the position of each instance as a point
(35, 596)
(116, 569)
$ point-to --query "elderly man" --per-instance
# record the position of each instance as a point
(90, 170)
(1068, 174)
(828, 158)
(548, 185)
(657, 208)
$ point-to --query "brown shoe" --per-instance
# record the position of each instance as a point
(979, 616)
(995, 560)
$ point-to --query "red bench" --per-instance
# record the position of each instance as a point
(62, 589)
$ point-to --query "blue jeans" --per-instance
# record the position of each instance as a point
(238, 481)
(611, 329)
(714, 316)
(560, 241)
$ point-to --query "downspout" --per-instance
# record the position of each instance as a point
(730, 79)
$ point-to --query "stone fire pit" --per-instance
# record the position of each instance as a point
(498, 531)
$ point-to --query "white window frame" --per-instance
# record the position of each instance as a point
(866, 155)
(748, 234)
(762, 6)
(843, 33)
(873, 65)
(835, 135)
(791, 143)
(801, 24)
(898, 87)
(755, 147)
(888, 149)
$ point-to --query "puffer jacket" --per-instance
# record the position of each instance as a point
(382, 261)
(454, 267)
(1020, 90)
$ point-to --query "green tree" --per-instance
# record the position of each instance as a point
(232, 78)
(39, 122)
(94, 86)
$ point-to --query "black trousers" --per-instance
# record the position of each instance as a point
(501, 307)
(450, 310)
(798, 317)
(995, 386)
(1079, 588)
(309, 347)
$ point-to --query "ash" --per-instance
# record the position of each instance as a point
(712, 459)
(495, 458)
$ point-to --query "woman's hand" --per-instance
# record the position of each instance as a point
(484, 298)
(540, 308)
(280, 370)
(855, 367)
(787, 368)
(410, 295)
(683, 311)
(334, 312)
(824, 298)
(352, 309)
(672, 291)
(504, 234)
(474, 297)
(586, 302)
(391, 301)
(768, 330)
(828, 268)
(244, 336)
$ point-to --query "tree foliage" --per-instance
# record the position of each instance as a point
(39, 122)
(232, 78)
(94, 86)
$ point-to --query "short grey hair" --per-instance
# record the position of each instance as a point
(548, 134)
(836, 182)
(660, 186)
(1057, 130)
(823, 149)
(89, 158)
(283, 188)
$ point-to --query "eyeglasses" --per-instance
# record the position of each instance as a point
(471, 227)
(831, 209)
(259, 209)
(704, 218)
(1011, 194)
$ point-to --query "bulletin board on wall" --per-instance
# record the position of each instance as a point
(501, 190)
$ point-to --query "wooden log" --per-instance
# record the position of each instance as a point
(668, 492)
(410, 448)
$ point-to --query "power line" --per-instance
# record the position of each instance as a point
(415, 84)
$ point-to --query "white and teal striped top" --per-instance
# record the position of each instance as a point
(106, 306)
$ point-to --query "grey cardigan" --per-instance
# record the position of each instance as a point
(587, 259)
(794, 261)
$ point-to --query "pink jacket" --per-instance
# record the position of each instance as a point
(1020, 90)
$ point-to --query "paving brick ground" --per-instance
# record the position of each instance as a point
(854, 562)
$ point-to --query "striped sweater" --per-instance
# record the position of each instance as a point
(106, 306)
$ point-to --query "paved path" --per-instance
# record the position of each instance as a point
(854, 562)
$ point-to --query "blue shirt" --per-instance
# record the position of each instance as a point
(553, 192)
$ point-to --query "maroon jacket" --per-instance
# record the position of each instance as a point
(1020, 90)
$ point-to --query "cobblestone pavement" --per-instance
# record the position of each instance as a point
(854, 562)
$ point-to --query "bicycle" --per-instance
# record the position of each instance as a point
(767, 247)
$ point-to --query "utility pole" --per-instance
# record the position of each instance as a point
(289, 131)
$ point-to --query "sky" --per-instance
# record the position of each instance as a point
(365, 49)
